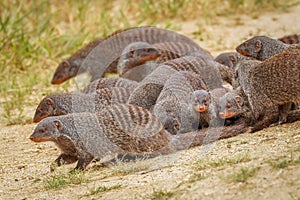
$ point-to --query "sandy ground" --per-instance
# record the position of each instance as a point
(271, 154)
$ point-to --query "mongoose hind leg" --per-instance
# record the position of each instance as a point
(83, 161)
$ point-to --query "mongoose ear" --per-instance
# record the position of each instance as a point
(65, 64)
(232, 58)
(131, 52)
(50, 102)
(239, 100)
(258, 45)
(57, 124)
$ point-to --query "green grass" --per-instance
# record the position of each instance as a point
(161, 195)
(243, 174)
(36, 36)
(61, 180)
(284, 163)
(102, 189)
(215, 163)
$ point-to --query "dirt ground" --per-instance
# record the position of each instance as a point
(262, 165)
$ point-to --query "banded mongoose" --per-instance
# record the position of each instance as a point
(273, 82)
(173, 106)
(230, 59)
(231, 105)
(207, 68)
(290, 39)
(234, 106)
(135, 54)
(110, 82)
(262, 47)
(207, 104)
(120, 128)
(240, 73)
(102, 54)
(64, 103)
(138, 53)
(148, 90)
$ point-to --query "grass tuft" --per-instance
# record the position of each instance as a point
(60, 180)
(284, 163)
(102, 189)
(208, 163)
(161, 195)
(243, 175)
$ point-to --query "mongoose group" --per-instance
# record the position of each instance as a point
(170, 94)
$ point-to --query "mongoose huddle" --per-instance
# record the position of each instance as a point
(147, 92)
(170, 95)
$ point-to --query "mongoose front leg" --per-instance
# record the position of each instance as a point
(62, 160)
(83, 161)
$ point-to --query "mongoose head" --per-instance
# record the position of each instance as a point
(251, 47)
(48, 107)
(201, 100)
(228, 59)
(65, 71)
(47, 130)
(137, 53)
(230, 105)
(172, 125)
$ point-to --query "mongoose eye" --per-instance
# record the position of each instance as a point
(229, 106)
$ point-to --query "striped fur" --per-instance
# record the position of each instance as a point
(110, 82)
(290, 39)
(99, 55)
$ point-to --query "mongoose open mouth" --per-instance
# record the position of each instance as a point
(226, 115)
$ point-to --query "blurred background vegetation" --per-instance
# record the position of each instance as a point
(36, 35)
